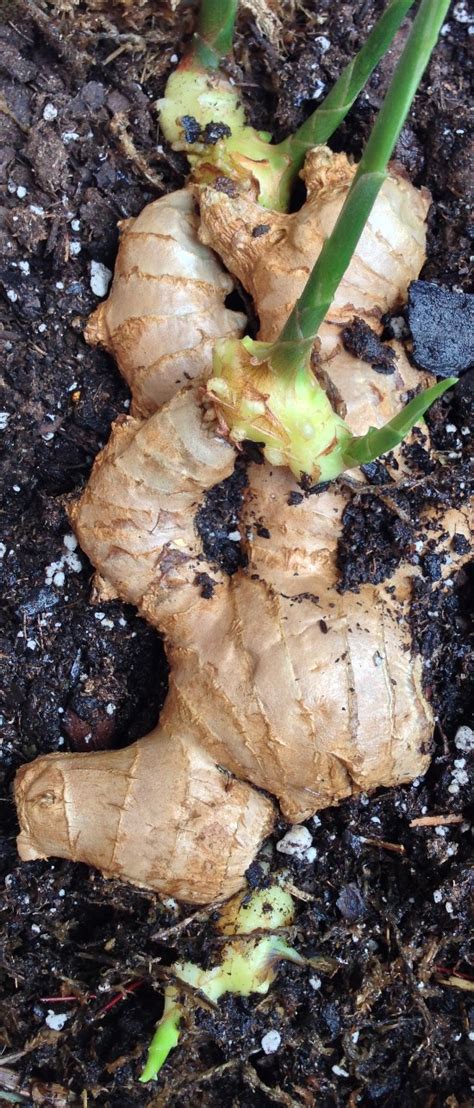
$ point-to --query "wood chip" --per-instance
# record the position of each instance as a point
(457, 983)
(435, 821)
(395, 848)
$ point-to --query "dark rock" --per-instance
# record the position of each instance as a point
(351, 903)
(442, 327)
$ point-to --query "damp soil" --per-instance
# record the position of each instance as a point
(83, 960)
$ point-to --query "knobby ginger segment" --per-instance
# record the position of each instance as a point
(262, 691)
(141, 814)
(166, 306)
(276, 679)
(272, 254)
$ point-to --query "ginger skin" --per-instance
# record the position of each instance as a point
(166, 305)
(277, 678)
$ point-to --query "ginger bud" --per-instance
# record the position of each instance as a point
(247, 965)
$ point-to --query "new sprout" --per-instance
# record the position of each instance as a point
(267, 392)
(202, 111)
(247, 965)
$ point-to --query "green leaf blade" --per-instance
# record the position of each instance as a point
(377, 441)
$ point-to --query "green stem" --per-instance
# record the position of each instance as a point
(214, 32)
(303, 324)
(334, 108)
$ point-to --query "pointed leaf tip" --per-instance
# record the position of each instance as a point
(377, 441)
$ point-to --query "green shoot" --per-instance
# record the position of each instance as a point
(247, 965)
(267, 392)
(319, 127)
(214, 32)
(377, 441)
(198, 96)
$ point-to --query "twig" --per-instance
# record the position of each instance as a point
(395, 848)
(435, 821)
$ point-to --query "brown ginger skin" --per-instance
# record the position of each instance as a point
(166, 305)
(272, 254)
(278, 679)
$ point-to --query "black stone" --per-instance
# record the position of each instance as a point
(442, 327)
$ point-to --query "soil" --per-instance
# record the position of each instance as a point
(394, 1023)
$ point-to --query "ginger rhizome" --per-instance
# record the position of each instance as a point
(256, 687)
(281, 688)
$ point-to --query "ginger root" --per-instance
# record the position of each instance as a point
(272, 254)
(166, 304)
(277, 679)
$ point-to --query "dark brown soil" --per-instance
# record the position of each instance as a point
(388, 901)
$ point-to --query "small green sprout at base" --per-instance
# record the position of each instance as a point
(267, 392)
(247, 966)
(202, 112)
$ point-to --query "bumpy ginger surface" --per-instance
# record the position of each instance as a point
(277, 681)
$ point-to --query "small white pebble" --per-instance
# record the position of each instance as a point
(318, 90)
(355, 1036)
(311, 854)
(75, 224)
(315, 982)
(70, 136)
(16, 488)
(296, 842)
(471, 1036)
(338, 1070)
(271, 1041)
(59, 284)
(126, 405)
(437, 896)
(451, 428)
(4, 419)
(42, 328)
(73, 562)
(36, 209)
(441, 831)
(174, 59)
(449, 908)
(12, 295)
(234, 536)
(48, 436)
(56, 1020)
(3, 549)
(21, 192)
(70, 541)
(24, 268)
(62, 892)
(464, 738)
(35, 928)
(59, 579)
(31, 644)
(461, 14)
(99, 615)
(50, 113)
(100, 278)
(74, 248)
(110, 709)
